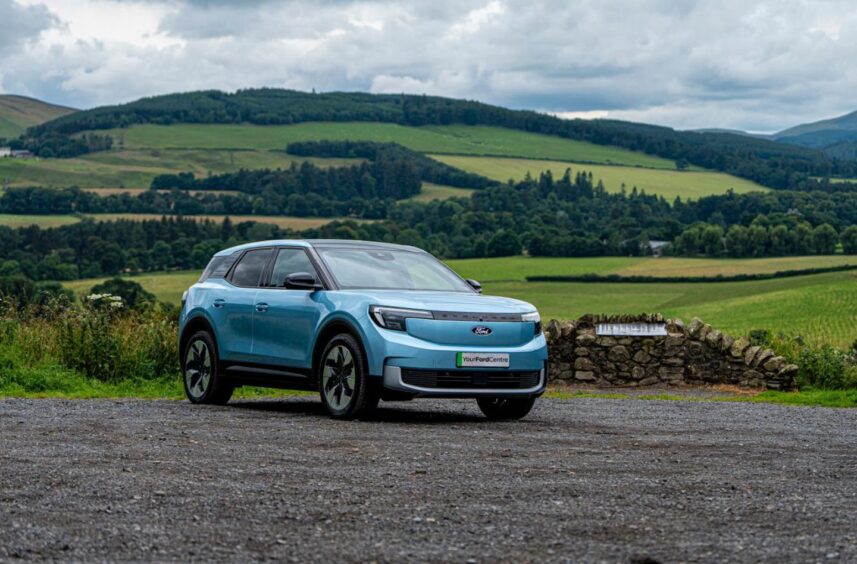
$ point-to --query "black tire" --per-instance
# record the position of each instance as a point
(505, 408)
(344, 385)
(203, 382)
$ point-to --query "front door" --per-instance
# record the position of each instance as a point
(284, 319)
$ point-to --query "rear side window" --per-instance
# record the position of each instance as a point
(219, 266)
(249, 269)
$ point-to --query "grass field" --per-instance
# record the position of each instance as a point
(431, 192)
(518, 268)
(9, 220)
(822, 307)
(136, 169)
(19, 112)
(455, 139)
(666, 183)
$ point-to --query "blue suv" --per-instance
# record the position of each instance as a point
(359, 322)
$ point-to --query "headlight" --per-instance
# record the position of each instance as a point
(394, 318)
(534, 318)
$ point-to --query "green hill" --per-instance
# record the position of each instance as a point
(772, 164)
(17, 113)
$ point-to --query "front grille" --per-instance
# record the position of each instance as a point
(470, 379)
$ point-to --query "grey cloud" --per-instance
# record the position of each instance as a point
(22, 24)
(761, 64)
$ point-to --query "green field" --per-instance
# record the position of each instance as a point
(19, 112)
(430, 192)
(10, 220)
(821, 307)
(453, 139)
(666, 183)
(136, 168)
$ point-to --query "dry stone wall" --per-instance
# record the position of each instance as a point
(687, 354)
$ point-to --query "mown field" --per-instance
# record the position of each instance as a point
(453, 139)
(822, 307)
(664, 182)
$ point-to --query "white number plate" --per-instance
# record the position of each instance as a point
(490, 360)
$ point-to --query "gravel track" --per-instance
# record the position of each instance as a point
(582, 480)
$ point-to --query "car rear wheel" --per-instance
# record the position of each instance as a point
(345, 388)
(505, 408)
(203, 382)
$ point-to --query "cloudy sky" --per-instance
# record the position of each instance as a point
(756, 65)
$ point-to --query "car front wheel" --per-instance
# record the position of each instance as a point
(203, 382)
(345, 388)
(505, 408)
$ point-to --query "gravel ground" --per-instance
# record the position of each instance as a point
(582, 480)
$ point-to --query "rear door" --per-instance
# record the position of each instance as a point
(285, 319)
(232, 307)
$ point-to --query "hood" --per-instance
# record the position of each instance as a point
(444, 301)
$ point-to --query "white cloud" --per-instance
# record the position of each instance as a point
(755, 64)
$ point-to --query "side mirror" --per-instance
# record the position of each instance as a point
(301, 281)
(474, 284)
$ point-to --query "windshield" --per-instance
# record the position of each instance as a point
(391, 270)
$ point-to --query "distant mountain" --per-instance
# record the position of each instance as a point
(836, 136)
(732, 131)
(17, 113)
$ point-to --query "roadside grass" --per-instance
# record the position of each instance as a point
(452, 139)
(57, 382)
(667, 183)
(808, 398)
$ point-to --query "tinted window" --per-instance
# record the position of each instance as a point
(219, 266)
(290, 261)
(249, 270)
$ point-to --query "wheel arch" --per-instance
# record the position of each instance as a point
(328, 331)
(198, 323)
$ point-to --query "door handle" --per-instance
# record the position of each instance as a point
(219, 302)
(262, 307)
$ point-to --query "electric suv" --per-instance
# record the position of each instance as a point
(359, 322)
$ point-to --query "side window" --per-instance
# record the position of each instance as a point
(290, 261)
(249, 270)
(219, 266)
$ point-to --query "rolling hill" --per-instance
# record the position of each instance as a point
(17, 113)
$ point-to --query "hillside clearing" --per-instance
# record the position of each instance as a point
(136, 169)
(667, 183)
(454, 139)
(429, 192)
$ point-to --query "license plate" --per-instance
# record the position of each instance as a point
(483, 360)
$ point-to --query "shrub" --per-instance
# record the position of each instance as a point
(825, 368)
(759, 337)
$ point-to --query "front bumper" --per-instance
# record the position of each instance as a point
(465, 388)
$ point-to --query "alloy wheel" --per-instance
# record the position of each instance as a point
(197, 372)
(339, 377)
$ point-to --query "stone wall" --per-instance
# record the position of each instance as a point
(688, 354)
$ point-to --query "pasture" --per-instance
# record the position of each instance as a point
(821, 307)
(663, 182)
(135, 169)
(451, 139)
(12, 220)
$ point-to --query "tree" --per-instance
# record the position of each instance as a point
(133, 295)
(737, 241)
(712, 240)
(504, 243)
(824, 239)
(757, 237)
(849, 240)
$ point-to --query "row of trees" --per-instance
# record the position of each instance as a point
(757, 240)
(773, 164)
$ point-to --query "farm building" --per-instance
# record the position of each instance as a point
(5, 152)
